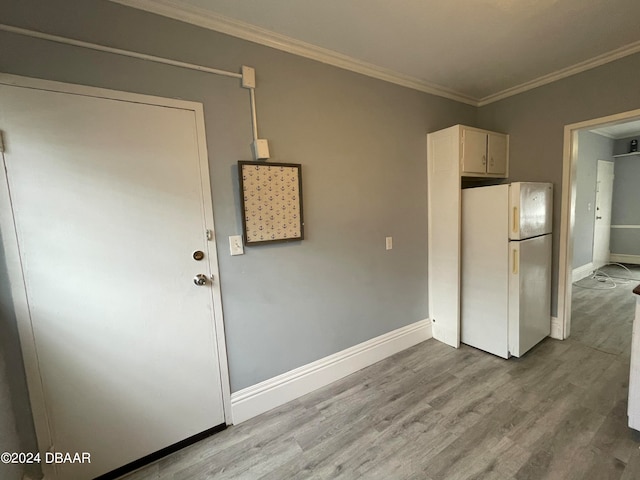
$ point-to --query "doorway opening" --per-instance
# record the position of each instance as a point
(598, 257)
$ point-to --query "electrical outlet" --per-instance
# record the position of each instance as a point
(389, 243)
(235, 245)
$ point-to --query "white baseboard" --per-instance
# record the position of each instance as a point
(264, 396)
(582, 272)
(622, 258)
(556, 329)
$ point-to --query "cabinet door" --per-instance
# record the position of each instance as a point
(497, 148)
(474, 152)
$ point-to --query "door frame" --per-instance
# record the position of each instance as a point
(14, 268)
(569, 166)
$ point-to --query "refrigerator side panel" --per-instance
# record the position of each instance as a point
(529, 293)
(485, 264)
(530, 210)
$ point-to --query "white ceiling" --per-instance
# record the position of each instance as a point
(621, 130)
(477, 50)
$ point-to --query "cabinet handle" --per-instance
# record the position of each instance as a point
(515, 261)
(491, 162)
(484, 159)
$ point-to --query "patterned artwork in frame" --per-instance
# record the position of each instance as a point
(271, 199)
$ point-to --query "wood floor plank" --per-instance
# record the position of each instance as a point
(632, 469)
(555, 453)
(468, 454)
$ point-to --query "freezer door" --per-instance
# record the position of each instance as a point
(529, 293)
(530, 209)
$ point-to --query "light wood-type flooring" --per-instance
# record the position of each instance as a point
(435, 413)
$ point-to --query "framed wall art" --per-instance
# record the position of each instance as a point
(271, 202)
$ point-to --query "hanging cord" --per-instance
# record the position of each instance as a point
(610, 281)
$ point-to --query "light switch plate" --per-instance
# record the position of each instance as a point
(235, 245)
(389, 243)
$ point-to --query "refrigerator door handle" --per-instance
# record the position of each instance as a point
(515, 220)
(514, 268)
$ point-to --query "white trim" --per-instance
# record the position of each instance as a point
(14, 268)
(216, 293)
(630, 154)
(207, 19)
(264, 396)
(625, 226)
(594, 62)
(582, 272)
(567, 209)
(603, 134)
(53, 86)
(556, 329)
(563, 310)
(624, 258)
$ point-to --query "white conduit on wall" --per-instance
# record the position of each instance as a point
(254, 117)
(140, 56)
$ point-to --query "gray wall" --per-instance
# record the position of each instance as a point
(362, 145)
(626, 198)
(591, 148)
(536, 119)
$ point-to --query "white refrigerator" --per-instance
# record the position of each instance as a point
(506, 267)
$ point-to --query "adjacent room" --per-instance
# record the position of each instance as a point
(232, 239)
(606, 241)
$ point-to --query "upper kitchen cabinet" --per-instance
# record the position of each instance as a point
(483, 153)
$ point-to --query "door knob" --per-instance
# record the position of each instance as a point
(200, 279)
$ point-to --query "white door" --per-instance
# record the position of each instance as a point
(602, 224)
(109, 204)
(485, 269)
(529, 293)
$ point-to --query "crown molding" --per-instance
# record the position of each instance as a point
(213, 21)
(563, 73)
(602, 134)
(204, 18)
